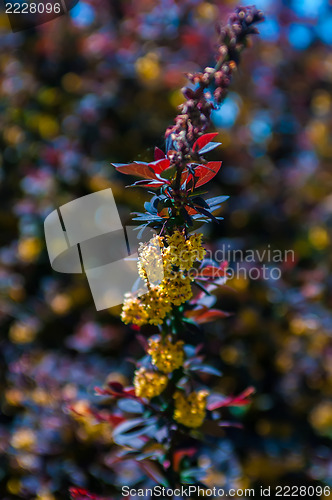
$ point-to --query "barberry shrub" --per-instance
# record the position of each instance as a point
(171, 410)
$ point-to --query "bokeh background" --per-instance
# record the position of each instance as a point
(100, 85)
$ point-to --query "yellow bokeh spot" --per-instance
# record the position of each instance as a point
(61, 303)
(214, 478)
(13, 135)
(14, 397)
(42, 397)
(318, 237)
(229, 354)
(48, 126)
(207, 11)
(249, 318)
(14, 486)
(17, 293)
(317, 131)
(319, 134)
(89, 429)
(71, 82)
(321, 417)
(298, 326)
(22, 333)
(23, 439)
(148, 67)
(97, 183)
(44, 495)
(239, 283)
(29, 249)
(176, 98)
(321, 102)
(49, 96)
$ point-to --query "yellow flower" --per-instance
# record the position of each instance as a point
(195, 245)
(178, 288)
(149, 384)
(150, 262)
(133, 311)
(176, 239)
(183, 253)
(165, 355)
(156, 305)
(190, 410)
(165, 271)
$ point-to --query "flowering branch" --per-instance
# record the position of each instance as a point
(170, 405)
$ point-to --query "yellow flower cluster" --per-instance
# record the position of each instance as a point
(191, 410)
(150, 263)
(183, 252)
(133, 311)
(151, 307)
(156, 305)
(177, 287)
(165, 355)
(163, 264)
(149, 384)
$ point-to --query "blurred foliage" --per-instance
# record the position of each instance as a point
(101, 85)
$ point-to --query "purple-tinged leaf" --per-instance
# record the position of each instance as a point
(203, 141)
(158, 154)
(209, 147)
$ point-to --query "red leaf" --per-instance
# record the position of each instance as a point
(240, 400)
(160, 165)
(130, 391)
(184, 175)
(205, 314)
(103, 392)
(117, 390)
(138, 169)
(203, 141)
(159, 154)
(191, 211)
(179, 454)
(212, 315)
(115, 419)
(152, 471)
(213, 272)
(105, 416)
(150, 184)
(116, 387)
(204, 173)
(80, 494)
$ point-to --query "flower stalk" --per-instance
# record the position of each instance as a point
(173, 407)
